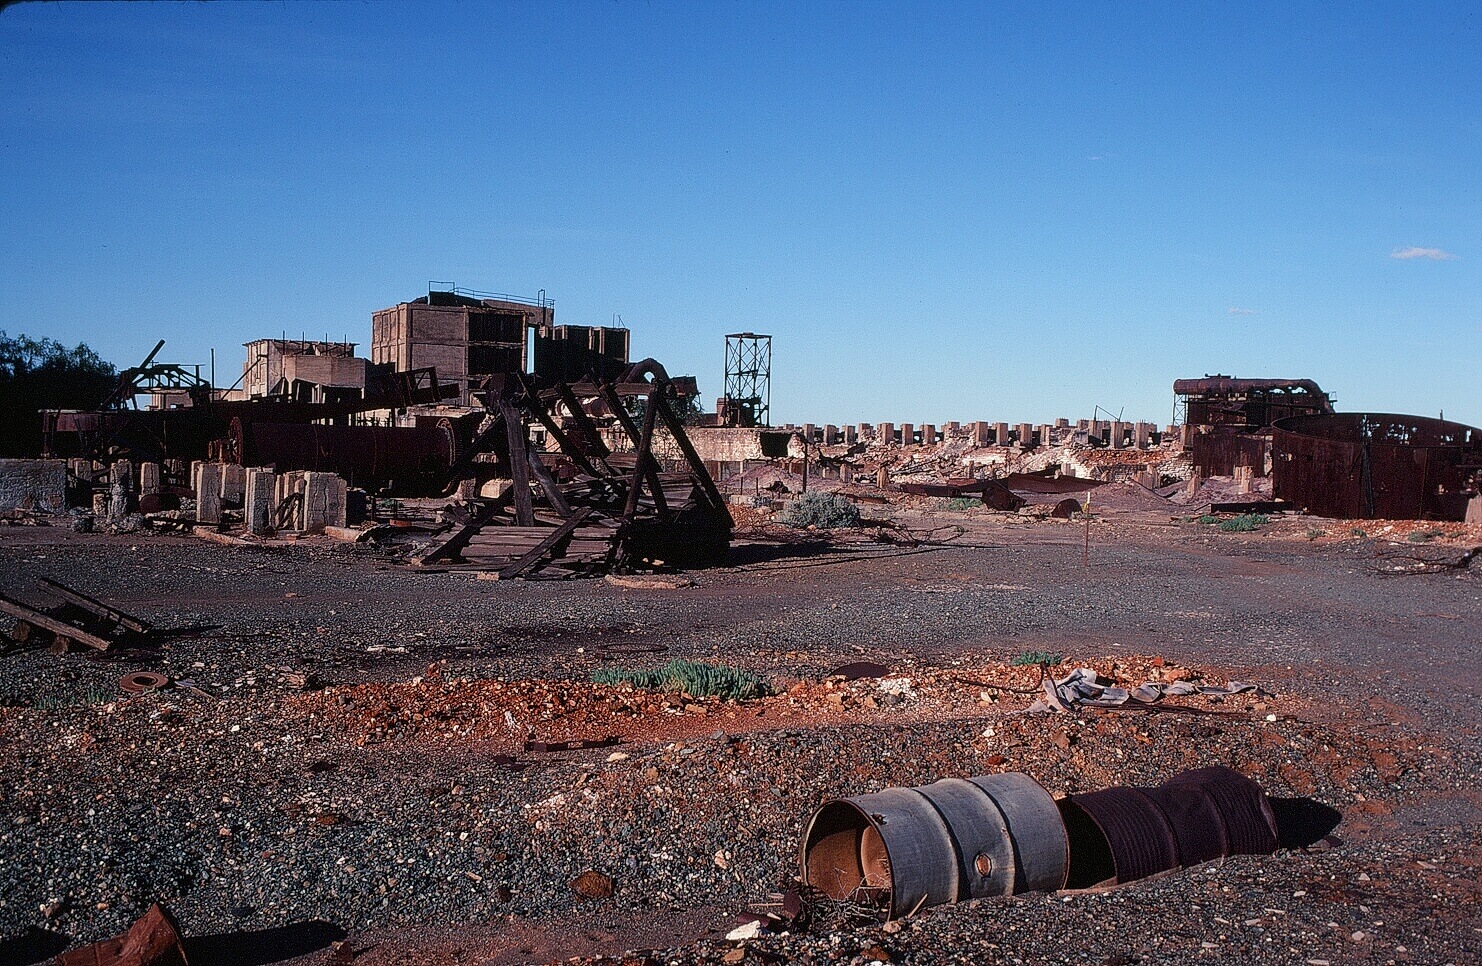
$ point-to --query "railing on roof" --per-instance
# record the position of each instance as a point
(540, 301)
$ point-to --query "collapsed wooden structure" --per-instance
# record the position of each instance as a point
(583, 507)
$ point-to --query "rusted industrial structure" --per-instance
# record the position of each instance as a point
(1227, 420)
(1363, 466)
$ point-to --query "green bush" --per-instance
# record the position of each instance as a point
(1031, 658)
(826, 511)
(1245, 523)
(1209, 518)
(963, 503)
(1314, 533)
(693, 678)
(1359, 532)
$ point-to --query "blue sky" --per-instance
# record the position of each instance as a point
(939, 211)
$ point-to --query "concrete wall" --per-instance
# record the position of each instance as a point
(33, 485)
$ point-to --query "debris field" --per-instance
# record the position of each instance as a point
(352, 760)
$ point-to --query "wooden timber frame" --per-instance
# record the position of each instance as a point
(78, 619)
(577, 507)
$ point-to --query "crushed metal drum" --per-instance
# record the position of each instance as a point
(953, 840)
(1123, 834)
(142, 682)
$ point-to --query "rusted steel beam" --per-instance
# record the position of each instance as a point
(541, 549)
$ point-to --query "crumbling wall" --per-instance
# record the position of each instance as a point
(33, 485)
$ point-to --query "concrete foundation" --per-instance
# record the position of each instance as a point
(33, 485)
(257, 503)
(324, 502)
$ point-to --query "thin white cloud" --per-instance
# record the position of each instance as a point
(1413, 252)
(1237, 310)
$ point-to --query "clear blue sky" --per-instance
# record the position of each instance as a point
(954, 211)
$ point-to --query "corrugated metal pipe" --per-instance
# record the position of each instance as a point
(903, 849)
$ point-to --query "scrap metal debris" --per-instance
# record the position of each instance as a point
(1081, 689)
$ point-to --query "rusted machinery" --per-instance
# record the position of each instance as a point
(414, 460)
(1227, 419)
(1361, 466)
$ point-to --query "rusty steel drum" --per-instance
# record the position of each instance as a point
(953, 840)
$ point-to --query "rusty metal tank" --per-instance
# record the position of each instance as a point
(414, 460)
(1361, 466)
(956, 839)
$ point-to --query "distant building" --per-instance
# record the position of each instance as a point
(304, 371)
(465, 337)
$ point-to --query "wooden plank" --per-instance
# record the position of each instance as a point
(519, 463)
(95, 606)
(479, 444)
(575, 453)
(595, 446)
(697, 465)
(548, 486)
(48, 623)
(533, 556)
(459, 536)
(643, 455)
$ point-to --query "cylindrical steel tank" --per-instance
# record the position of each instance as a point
(1360, 466)
(952, 840)
(414, 459)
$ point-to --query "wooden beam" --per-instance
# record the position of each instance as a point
(519, 463)
(46, 622)
(548, 485)
(541, 549)
(475, 447)
(458, 537)
(596, 446)
(697, 465)
(646, 464)
(576, 454)
(95, 606)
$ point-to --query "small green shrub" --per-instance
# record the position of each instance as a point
(1032, 658)
(826, 511)
(1209, 518)
(1425, 536)
(963, 503)
(693, 678)
(1359, 532)
(85, 697)
(1314, 533)
(1245, 523)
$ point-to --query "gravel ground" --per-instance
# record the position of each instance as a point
(374, 799)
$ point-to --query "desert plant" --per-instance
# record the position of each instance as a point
(691, 677)
(1359, 533)
(963, 503)
(1245, 523)
(1314, 533)
(1031, 658)
(1209, 518)
(826, 511)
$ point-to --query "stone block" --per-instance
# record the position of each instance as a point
(233, 484)
(208, 492)
(928, 434)
(150, 479)
(324, 502)
(908, 434)
(39, 485)
(258, 501)
(982, 433)
(885, 432)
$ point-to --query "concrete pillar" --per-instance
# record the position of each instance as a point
(1474, 509)
(830, 434)
(81, 469)
(120, 480)
(1118, 432)
(851, 436)
(257, 501)
(100, 505)
(208, 492)
(810, 433)
(882, 477)
(982, 433)
(149, 479)
(1043, 432)
(866, 430)
(1001, 433)
(908, 434)
(1144, 435)
(846, 473)
(233, 483)
(1062, 424)
(952, 428)
(1026, 435)
(1083, 424)
(928, 434)
(324, 502)
(885, 432)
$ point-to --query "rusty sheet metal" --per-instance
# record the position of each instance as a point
(1218, 454)
(1360, 466)
(1035, 483)
(154, 940)
(415, 458)
(958, 486)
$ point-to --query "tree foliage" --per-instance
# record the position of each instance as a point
(37, 374)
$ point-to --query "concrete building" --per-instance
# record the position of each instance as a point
(464, 337)
(303, 370)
